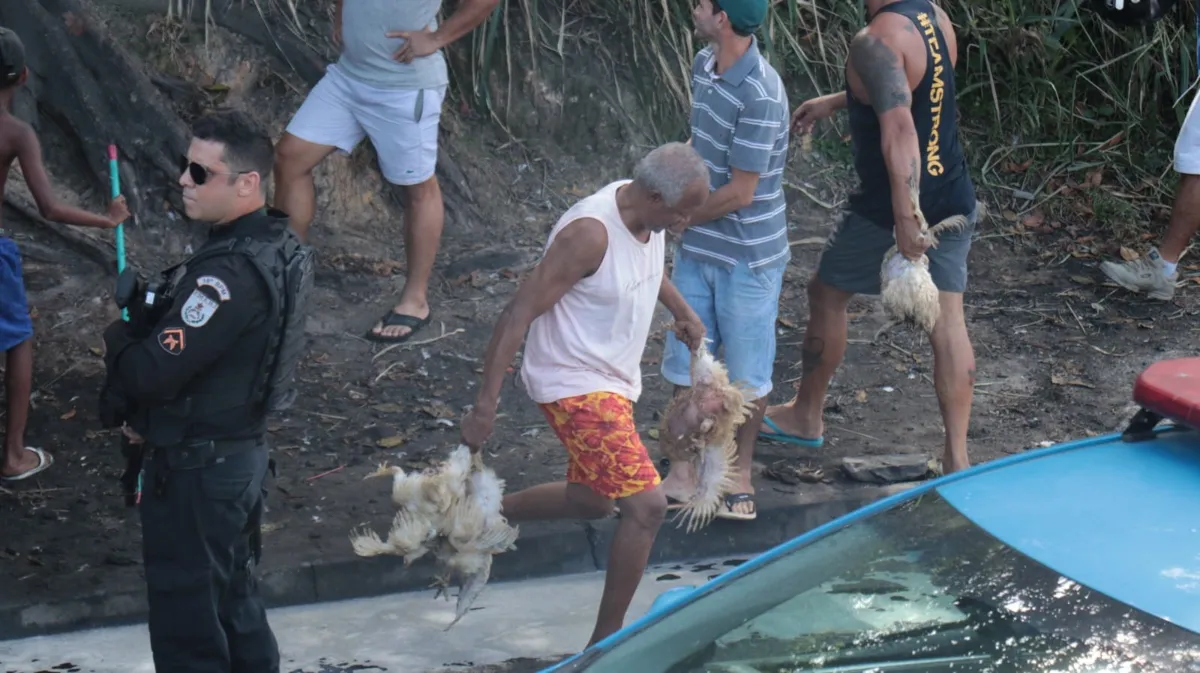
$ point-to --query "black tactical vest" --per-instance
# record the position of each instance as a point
(287, 270)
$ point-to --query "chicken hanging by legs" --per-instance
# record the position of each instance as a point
(452, 512)
(699, 427)
(908, 292)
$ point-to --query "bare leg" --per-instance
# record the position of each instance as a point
(641, 517)
(557, 500)
(1185, 219)
(953, 378)
(17, 384)
(295, 195)
(824, 346)
(424, 215)
(680, 482)
(747, 434)
(1156, 274)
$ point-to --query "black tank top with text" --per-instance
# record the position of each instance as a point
(946, 187)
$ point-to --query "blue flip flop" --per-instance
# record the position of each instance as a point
(780, 436)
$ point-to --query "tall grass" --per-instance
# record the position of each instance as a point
(1047, 91)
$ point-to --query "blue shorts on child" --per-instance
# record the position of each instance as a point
(15, 325)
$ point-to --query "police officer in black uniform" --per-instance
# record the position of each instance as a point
(185, 378)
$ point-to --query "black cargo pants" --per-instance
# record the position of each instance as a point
(201, 509)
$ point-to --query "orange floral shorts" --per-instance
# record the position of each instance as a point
(605, 452)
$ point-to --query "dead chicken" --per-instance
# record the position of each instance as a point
(698, 427)
(451, 511)
(908, 292)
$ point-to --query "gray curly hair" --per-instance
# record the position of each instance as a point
(669, 169)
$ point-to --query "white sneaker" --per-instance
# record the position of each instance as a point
(1144, 274)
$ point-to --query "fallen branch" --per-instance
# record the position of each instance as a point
(315, 477)
(812, 197)
(410, 344)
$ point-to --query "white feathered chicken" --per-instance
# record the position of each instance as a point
(699, 427)
(908, 292)
(452, 512)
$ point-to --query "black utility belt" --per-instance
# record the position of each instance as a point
(194, 455)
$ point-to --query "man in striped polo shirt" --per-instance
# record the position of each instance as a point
(730, 263)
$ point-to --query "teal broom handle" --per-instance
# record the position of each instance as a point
(115, 180)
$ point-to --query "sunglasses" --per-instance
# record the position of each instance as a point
(200, 174)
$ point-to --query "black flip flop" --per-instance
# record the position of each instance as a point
(393, 319)
(732, 499)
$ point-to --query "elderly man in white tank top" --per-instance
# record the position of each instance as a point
(587, 307)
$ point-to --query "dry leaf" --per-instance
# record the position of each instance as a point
(1034, 220)
(860, 396)
(68, 416)
(1060, 380)
(438, 410)
(1009, 215)
(1112, 142)
(1127, 254)
(1094, 178)
(391, 442)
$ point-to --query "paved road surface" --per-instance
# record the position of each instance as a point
(401, 633)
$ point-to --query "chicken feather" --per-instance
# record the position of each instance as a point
(452, 512)
(699, 427)
(907, 289)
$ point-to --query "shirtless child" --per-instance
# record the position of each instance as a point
(19, 142)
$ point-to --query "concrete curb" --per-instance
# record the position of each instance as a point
(542, 550)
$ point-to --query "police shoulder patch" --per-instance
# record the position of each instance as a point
(171, 340)
(216, 284)
(198, 309)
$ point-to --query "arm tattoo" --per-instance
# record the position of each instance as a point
(881, 73)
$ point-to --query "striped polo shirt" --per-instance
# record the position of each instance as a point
(740, 119)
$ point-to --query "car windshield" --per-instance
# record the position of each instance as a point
(917, 588)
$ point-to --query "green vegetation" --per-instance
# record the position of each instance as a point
(1048, 93)
(1065, 118)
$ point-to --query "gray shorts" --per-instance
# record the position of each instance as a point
(854, 252)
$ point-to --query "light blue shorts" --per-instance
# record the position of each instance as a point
(738, 307)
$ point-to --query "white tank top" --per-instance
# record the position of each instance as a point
(592, 339)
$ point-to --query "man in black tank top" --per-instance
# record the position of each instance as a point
(900, 94)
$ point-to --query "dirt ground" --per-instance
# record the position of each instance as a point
(1057, 353)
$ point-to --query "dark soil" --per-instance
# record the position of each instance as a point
(1057, 354)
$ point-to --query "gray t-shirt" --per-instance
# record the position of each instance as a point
(367, 51)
